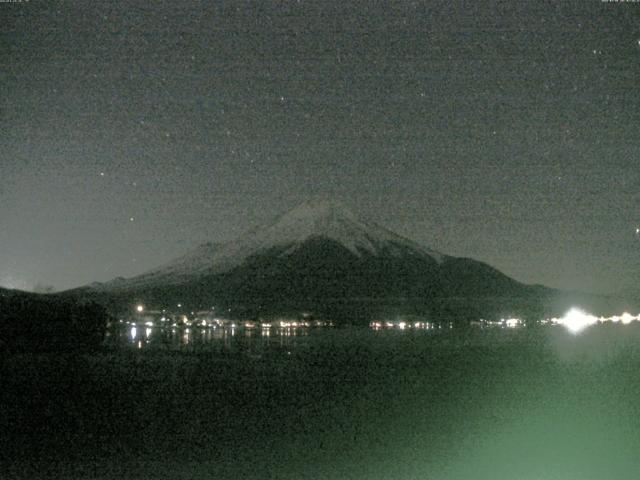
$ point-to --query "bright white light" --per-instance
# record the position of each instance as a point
(576, 320)
(627, 318)
(512, 322)
(134, 333)
(140, 308)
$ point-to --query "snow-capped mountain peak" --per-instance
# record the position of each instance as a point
(328, 220)
(334, 221)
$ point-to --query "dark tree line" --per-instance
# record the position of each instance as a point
(48, 323)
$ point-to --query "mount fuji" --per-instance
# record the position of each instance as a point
(309, 223)
(321, 257)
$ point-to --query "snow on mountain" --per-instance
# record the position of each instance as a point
(333, 221)
(328, 219)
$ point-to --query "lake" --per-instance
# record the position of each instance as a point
(329, 403)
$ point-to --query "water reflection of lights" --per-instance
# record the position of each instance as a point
(165, 336)
(285, 332)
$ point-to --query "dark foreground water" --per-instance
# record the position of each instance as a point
(335, 403)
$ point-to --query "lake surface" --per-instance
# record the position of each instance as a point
(252, 341)
(329, 403)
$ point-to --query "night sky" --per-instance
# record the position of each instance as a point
(132, 131)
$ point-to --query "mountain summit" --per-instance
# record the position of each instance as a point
(334, 221)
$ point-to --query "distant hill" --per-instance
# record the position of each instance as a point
(323, 258)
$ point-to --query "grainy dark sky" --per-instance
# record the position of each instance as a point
(500, 130)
